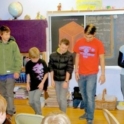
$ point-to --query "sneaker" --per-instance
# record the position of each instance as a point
(89, 122)
(84, 116)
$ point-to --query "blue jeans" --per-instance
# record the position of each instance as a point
(76, 103)
(61, 94)
(87, 85)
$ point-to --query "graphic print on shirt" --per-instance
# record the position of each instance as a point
(38, 69)
(87, 51)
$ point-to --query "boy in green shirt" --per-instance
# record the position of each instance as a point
(10, 66)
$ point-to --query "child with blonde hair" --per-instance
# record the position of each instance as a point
(56, 118)
(37, 73)
(3, 106)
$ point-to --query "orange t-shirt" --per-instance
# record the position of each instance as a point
(89, 55)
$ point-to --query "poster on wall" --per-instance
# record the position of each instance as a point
(88, 4)
(69, 27)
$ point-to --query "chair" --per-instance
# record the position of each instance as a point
(24, 118)
(110, 117)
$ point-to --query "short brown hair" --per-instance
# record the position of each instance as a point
(34, 52)
(4, 28)
(3, 104)
(65, 41)
(90, 29)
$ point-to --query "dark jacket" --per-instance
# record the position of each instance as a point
(60, 64)
(121, 57)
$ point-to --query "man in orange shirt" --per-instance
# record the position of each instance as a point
(89, 54)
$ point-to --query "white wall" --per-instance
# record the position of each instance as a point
(31, 7)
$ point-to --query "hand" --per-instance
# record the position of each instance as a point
(77, 76)
(16, 75)
(40, 86)
(65, 85)
(53, 83)
(28, 87)
(102, 79)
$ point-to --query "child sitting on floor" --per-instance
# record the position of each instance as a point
(77, 98)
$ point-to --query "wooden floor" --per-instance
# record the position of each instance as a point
(22, 106)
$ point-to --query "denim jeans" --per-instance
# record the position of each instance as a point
(61, 94)
(122, 84)
(77, 102)
(87, 85)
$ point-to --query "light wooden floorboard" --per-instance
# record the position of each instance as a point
(22, 106)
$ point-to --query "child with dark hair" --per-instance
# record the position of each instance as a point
(10, 67)
(89, 55)
(77, 98)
